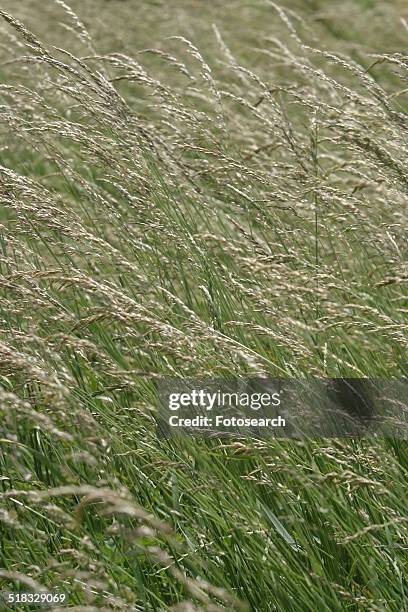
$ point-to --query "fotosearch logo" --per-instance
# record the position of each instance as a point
(207, 401)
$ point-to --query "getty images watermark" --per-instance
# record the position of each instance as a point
(205, 401)
(261, 408)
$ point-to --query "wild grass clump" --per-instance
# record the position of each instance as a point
(198, 207)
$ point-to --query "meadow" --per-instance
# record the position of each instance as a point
(199, 189)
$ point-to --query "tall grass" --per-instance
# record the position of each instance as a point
(207, 207)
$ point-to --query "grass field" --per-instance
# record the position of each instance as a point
(199, 189)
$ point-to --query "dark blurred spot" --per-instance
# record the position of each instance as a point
(352, 395)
